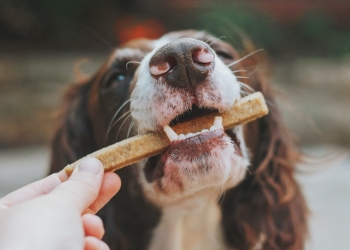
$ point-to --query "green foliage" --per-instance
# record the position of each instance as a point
(235, 22)
(320, 31)
(316, 33)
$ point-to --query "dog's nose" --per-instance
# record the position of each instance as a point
(183, 63)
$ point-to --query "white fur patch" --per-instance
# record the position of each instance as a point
(194, 224)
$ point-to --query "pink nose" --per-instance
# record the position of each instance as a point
(201, 56)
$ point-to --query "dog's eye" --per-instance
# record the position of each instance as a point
(120, 77)
(115, 80)
(224, 55)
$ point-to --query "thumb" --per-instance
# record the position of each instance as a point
(82, 187)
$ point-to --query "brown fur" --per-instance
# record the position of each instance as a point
(269, 200)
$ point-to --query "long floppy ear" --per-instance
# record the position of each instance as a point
(74, 137)
(266, 210)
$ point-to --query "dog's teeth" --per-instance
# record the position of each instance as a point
(173, 136)
(170, 133)
(182, 137)
(189, 135)
(218, 122)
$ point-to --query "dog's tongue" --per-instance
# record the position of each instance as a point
(175, 137)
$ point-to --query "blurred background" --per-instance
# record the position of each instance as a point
(307, 43)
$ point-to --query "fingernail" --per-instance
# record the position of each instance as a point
(90, 165)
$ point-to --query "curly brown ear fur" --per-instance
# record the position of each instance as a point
(266, 210)
(73, 138)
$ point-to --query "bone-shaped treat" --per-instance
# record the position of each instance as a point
(139, 147)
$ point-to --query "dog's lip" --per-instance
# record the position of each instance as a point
(203, 136)
(155, 165)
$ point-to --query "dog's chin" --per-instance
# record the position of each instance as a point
(211, 160)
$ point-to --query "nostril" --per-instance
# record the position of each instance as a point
(163, 67)
(202, 56)
(160, 69)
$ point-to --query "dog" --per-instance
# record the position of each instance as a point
(215, 189)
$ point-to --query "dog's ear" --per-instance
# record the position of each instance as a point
(266, 210)
(74, 137)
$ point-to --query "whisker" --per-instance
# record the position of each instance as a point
(248, 92)
(244, 93)
(249, 171)
(246, 87)
(245, 57)
(256, 68)
(126, 118)
(114, 123)
(214, 40)
(271, 104)
(242, 77)
(131, 125)
(221, 193)
(131, 62)
(198, 200)
(239, 70)
(116, 114)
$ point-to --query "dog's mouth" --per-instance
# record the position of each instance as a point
(197, 153)
(192, 113)
(189, 114)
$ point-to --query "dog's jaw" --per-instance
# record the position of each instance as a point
(179, 173)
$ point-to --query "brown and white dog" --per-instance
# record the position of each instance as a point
(216, 189)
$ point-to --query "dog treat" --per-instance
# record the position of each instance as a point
(139, 147)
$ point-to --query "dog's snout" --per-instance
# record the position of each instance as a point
(183, 63)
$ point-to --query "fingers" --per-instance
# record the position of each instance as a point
(32, 190)
(92, 243)
(110, 186)
(83, 186)
(93, 226)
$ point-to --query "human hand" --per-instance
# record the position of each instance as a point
(58, 212)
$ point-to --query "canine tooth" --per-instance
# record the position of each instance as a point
(189, 135)
(218, 122)
(204, 130)
(212, 128)
(182, 137)
(170, 133)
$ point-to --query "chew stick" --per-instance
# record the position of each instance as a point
(139, 147)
